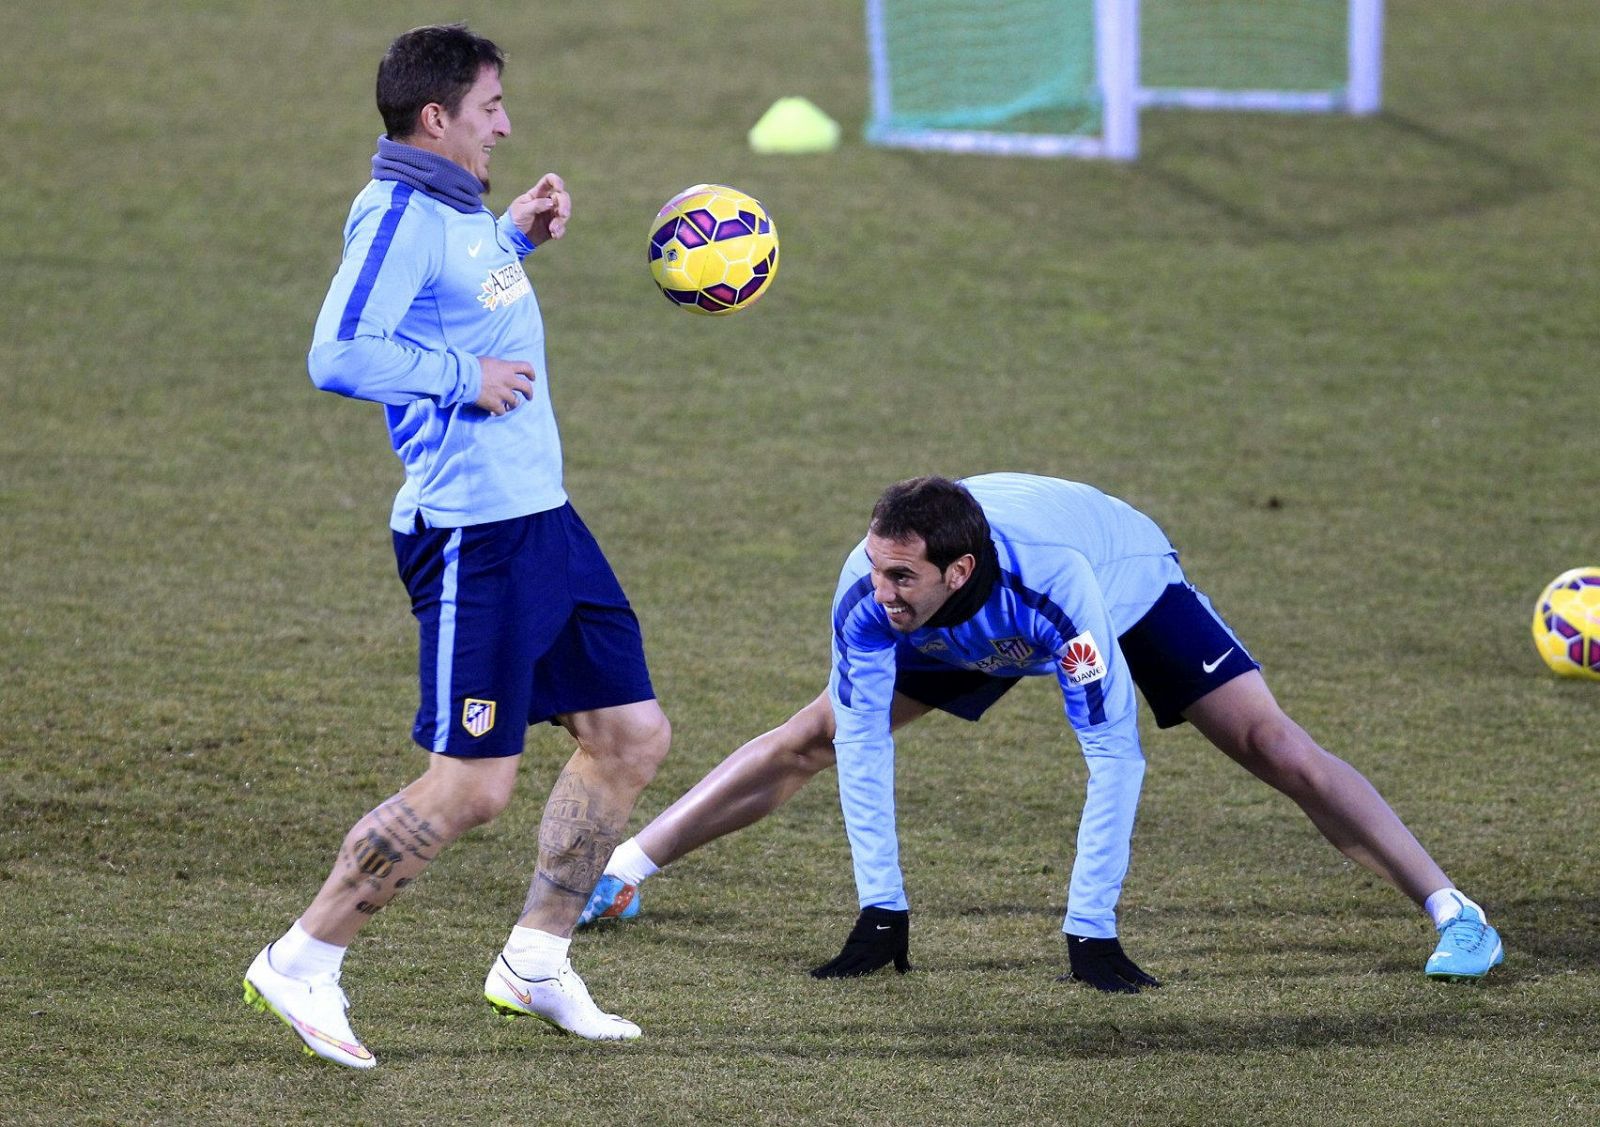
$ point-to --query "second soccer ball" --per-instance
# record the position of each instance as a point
(1566, 623)
(713, 249)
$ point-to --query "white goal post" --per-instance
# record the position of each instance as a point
(986, 76)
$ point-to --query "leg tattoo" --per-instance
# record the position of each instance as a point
(576, 836)
(386, 851)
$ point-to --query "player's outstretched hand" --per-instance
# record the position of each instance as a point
(543, 210)
(881, 936)
(1102, 964)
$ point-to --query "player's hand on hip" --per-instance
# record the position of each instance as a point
(1102, 964)
(506, 383)
(543, 210)
(881, 936)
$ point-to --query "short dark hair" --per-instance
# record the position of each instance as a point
(430, 64)
(942, 512)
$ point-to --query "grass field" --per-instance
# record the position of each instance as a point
(1350, 365)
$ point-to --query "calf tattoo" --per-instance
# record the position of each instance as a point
(375, 855)
(391, 838)
(576, 836)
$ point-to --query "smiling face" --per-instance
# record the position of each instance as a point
(468, 136)
(907, 585)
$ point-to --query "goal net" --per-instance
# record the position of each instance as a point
(1069, 77)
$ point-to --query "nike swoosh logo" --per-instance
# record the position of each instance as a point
(881, 927)
(473, 250)
(523, 996)
(1211, 666)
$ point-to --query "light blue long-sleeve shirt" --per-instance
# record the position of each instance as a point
(424, 290)
(1077, 569)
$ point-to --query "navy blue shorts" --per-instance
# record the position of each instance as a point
(519, 621)
(1177, 653)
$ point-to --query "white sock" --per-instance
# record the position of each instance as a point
(1446, 904)
(535, 954)
(629, 864)
(299, 954)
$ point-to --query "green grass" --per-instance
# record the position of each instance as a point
(1349, 365)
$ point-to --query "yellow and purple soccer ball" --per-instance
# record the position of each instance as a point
(713, 249)
(1566, 623)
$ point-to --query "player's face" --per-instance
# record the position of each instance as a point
(472, 132)
(906, 584)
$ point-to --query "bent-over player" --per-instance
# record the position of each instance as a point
(958, 591)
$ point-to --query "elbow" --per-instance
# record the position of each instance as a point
(325, 364)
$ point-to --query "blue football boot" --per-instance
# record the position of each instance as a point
(1468, 947)
(611, 900)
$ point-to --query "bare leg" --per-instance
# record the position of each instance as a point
(618, 752)
(1244, 720)
(392, 844)
(754, 781)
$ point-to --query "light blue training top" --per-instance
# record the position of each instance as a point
(430, 281)
(1077, 569)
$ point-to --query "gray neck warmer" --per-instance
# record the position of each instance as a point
(442, 179)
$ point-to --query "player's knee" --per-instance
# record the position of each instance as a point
(481, 807)
(461, 804)
(806, 759)
(805, 744)
(653, 742)
(634, 743)
(1284, 755)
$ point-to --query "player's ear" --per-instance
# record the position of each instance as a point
(959, 571)
(431, 121)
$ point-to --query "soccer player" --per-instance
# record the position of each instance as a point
(957, 592)
(520, 618)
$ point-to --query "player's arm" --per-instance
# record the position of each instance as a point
(1105, 833)
(1098, 696)
(865, 751)
(861, 689)
(390, 257)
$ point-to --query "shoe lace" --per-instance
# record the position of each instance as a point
(1466, 934)
(330, 982)
(573, 984)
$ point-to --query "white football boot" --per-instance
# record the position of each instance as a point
(562, 1000)
(313, 1008)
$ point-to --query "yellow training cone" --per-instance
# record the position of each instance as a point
(794, 125)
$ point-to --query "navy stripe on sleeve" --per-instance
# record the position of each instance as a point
(1040, 604)
(1093, 693)
(374, 261)
(847, 603)
(859, 590)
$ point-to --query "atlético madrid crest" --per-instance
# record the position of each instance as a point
(477, 716)
(1014, 649)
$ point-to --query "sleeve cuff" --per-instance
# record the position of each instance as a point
(519, 240)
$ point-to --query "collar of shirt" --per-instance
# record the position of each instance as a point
(441, 178)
